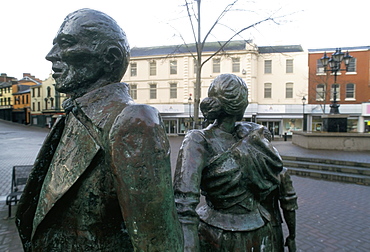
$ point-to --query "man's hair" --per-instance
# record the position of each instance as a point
(105, 29)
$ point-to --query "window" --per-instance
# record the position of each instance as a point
(1, 101)
(38, 92)
(216, 65)
(268, 90)
(350, 91)
(289, 90)
(133, 69)
(289, 66)
(153, 68)
(337, 88)
(9, 101)
(133, 91)
(236, 65)
(33, 106)
(320, 92)
(153, 91)
(268, 66)
(49, 91)
(352, 65)
(319, 67)
(173, 90)
(33, 92)
(38, 106)
(173, 67)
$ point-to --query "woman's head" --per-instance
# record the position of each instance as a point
(228, 95)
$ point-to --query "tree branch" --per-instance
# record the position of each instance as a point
(236, 34)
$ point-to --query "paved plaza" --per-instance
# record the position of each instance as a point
(332, 216)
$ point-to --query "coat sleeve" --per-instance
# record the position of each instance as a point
(140, 162)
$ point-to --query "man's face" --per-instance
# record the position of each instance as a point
(76, 57)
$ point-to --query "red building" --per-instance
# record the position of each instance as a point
(353, 87)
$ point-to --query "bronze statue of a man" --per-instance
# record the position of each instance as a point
(102, 179)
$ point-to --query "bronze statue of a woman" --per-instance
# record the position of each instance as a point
(241, 175)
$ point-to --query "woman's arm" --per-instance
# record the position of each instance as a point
(190, 163)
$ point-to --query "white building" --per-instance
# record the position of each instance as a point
(46, 103)
(277, 79)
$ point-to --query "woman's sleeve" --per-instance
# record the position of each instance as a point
(190, 163)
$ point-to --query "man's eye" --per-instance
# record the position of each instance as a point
(65, 43)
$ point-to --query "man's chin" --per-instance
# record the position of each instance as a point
(61, 87)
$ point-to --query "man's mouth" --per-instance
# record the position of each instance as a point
(57, 72)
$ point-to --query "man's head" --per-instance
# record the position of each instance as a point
(89, 51)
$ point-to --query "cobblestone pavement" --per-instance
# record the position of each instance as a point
(332, 216)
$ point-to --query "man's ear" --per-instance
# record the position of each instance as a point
(112, 58)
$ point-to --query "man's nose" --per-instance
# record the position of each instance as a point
(54, 54)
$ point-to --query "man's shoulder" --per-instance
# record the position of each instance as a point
(140, 112)
(136, 118)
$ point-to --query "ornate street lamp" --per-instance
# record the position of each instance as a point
(190, 119)
(304, 117)
(334, 63)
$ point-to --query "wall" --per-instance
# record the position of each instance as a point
(332, 141)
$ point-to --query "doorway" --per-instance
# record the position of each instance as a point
(171, 126)
(273, 127)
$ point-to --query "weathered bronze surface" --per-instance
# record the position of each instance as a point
(241, 176)
(102, 179)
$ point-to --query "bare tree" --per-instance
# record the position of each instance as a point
(323, 92)
(195, 22)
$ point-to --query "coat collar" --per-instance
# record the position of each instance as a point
(101, 105)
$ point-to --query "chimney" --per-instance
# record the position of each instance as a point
(3, 77)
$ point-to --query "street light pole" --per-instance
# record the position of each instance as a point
(189, 102)
(334, 63)
(304, 117)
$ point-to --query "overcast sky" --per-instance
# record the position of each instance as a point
(27, 28)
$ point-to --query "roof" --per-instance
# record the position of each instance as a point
(22, 89)
(5, 84)
(352, 48)
(27, 79)
(280, 49)
(236, 45)
(179, 49)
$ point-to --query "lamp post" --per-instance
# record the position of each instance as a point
(334, 63)
(189, 102)
(304, 117)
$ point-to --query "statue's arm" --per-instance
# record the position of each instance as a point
(190, 162)
(288, 203)
(141, 167)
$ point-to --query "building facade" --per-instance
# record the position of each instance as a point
(46, 103)
(6, 97)
(277, 77)
(353, 89)
(22, 98)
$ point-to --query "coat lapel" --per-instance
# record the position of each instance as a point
(28, 202)
(74, 154)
